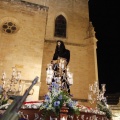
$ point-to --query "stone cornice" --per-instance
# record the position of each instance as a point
(86, 44)
(23, 6)
(67, 43)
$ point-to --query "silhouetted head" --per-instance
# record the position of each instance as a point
(60, 47)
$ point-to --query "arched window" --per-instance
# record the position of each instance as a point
(60, 26)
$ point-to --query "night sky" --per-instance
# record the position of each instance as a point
(104, 15)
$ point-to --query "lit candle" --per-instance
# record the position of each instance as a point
(101, 95)
(20, 88)
(14, 71)
(70, 81)
(70, 78)
(89, 97)
(67, 69)
(62, 65)
(18, 75)
(63, 118)
(50, 70)
(103, 87)
(3, 75)
(48, 80)
(90, 87)
(3, 84)
(96, 84)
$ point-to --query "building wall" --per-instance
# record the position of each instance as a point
(33, 45)
(76, 14)
(24, 48)
(81, 65)
(79, 41)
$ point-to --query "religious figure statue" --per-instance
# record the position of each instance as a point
(58, 71)
(61, 52)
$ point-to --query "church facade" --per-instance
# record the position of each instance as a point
(28, 34)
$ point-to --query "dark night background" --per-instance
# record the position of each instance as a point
(104, 15)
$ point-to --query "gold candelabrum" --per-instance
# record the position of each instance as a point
(95, 94)
(13, 85)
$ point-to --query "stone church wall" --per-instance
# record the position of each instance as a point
(32, 47)
(23, 47)
(81, 63)
(79, 41)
